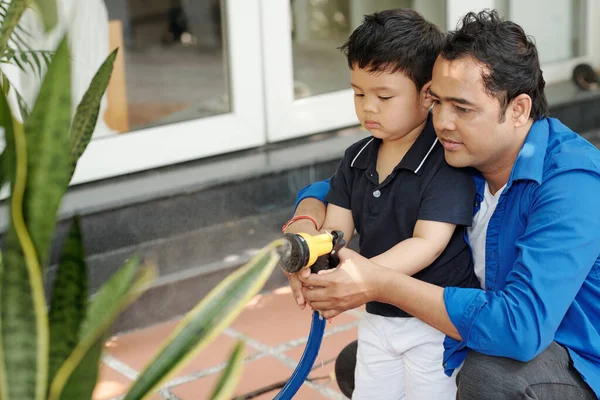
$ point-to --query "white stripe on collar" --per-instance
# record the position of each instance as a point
(361, 150)
(426, 155)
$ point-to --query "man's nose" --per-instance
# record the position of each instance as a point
(443, 120)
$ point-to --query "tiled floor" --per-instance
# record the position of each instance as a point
(274, 331)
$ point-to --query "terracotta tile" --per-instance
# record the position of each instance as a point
(257, 374)
(330, 348)
(112, 384)
(275, 318)
(137, 349)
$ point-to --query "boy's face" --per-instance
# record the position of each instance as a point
(388, 104)
(467, 120)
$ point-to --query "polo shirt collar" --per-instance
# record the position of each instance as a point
(413, 160)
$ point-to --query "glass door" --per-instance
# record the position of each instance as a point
(307, 85)
(187, 83)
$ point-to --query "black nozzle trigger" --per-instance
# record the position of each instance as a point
(331, 260)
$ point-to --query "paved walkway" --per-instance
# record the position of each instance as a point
(274, 331)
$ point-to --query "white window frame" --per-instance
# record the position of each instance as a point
(242, 128)
(288, 118)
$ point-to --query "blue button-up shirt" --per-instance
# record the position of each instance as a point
(542, 258)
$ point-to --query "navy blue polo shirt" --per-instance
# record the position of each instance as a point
(421, 187)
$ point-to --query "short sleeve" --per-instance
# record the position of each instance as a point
(449, 197)
(340, 185)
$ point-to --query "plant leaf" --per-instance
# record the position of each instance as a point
(23, 107)
(3, 383)
(231, 376)
(48, 12)
(22, 305)
(11, 19)
(201, 325)
(84, 378)
(28, 58)
(47, 131)
(88, 109)
(69, 299)
(120, 290)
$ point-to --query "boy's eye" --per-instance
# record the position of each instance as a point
(359, 95)
(385, 97)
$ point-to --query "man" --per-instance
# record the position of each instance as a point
(532, 331)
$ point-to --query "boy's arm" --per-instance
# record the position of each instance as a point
(339, 218)
(410, 256)
(446, 203)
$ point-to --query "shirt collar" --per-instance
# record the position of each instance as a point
(413, 160)
(529, 164)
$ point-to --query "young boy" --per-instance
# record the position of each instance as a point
(409, 207)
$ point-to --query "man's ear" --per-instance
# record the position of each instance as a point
(521, 109)
(426, 98)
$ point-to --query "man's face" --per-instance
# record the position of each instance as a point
(466, 118)
(387, 104)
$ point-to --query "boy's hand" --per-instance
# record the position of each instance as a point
(296, 286)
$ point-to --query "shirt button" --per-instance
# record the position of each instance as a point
(376, 193)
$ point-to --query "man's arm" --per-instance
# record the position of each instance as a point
(311, 202)
(410, 256)
(312, 207)
(560, 245)
(358, 280)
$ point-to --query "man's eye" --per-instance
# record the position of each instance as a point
(462, 110)
(436, 102)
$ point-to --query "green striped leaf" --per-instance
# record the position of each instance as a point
(88, 109)
(231, 376)
(47, 130)
(201, 325)
(69, 299)
(77, 376)
(3, 383)
(24, 325)
(84, 378)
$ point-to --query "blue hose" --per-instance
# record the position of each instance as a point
(307, 361)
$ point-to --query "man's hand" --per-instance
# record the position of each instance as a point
(353, 283)
(300, 226)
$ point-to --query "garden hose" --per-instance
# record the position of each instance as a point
(317, 252)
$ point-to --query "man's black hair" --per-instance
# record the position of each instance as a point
(395, 41)
(509, 55)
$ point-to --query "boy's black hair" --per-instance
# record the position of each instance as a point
(395, 41)
(511, 58)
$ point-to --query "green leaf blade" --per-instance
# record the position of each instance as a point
(230, 377)
(224, 303)
(77, 376)
(24, 335)
(69, 300)
(47, 129)
(88, 109)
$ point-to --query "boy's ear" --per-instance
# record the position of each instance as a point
(425, 96)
